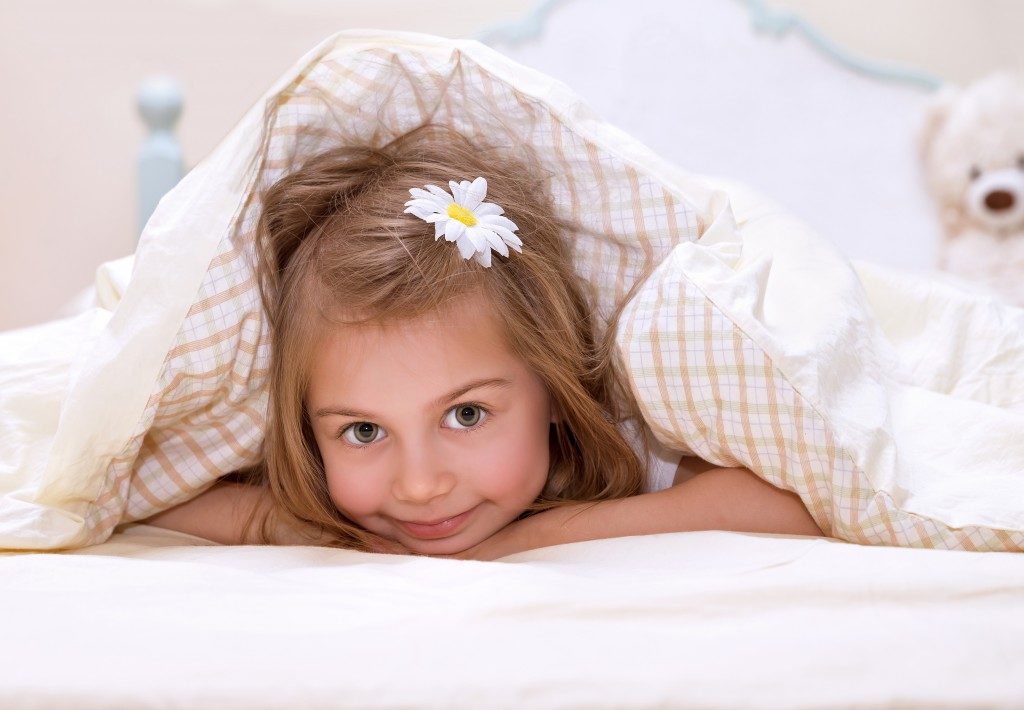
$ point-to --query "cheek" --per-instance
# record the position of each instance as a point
(356, 496)
(517, 470)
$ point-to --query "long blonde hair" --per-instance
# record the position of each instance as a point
(332, 238)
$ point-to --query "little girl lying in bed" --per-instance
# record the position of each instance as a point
(448, 397)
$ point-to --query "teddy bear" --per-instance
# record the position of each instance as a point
(972, 154)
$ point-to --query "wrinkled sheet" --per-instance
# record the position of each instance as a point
(154, 618)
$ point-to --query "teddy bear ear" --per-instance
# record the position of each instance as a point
(936, 112)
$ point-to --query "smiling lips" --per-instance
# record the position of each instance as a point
(432, 531)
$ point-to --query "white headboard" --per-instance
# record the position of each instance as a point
(830, 137)
(728, 88)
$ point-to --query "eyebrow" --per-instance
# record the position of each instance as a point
(343, 411)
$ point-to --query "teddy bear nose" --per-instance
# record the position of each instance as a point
(999, 200)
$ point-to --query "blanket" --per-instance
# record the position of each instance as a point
(891, 404)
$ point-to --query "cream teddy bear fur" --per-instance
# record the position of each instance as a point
(972, 150)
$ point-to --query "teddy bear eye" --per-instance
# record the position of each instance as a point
(975, 173)
(1020, 161)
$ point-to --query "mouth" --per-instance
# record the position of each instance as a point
(437, 529)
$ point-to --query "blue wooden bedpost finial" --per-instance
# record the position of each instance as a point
(160, 162)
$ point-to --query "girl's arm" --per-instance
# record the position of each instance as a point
(717, 499)
(219, 513)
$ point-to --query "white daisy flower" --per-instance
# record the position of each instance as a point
(463, 217)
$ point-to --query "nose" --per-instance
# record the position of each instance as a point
(423, 475)
(999, 200)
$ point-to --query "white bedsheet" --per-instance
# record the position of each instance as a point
(153, 618)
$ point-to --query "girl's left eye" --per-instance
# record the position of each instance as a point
(465, 415)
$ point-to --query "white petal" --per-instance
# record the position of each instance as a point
(457, 192)
(454, 229)
(420, 193)
(475, 193)
(427, 204)
(483, 258)
(438, 230)
(437, 217)
(495, 242)
(486, 209)
(465, 246)
(476, 236)
(438, 192)
(421, 212)
(495, 220)
(509, 238)
(441, 202)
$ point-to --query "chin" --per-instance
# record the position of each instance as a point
(443, 546)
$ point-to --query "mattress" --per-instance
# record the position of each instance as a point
(154, 618)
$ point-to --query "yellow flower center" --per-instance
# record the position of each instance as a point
(462, 214)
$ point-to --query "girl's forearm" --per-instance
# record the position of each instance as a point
(720, 499)
(219, 514)
(647, 514)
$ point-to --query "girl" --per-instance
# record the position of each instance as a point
(437, 386)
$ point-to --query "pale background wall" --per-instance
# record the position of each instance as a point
(69, 132)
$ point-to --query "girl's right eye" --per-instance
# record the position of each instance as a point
(360, 434)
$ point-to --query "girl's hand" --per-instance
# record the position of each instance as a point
(509, 540)
(538, 530)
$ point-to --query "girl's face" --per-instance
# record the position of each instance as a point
(432, 432)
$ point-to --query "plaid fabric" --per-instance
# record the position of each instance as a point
(705, 386)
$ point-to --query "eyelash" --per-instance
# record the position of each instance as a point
(487, 417)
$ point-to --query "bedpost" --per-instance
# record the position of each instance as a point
(159, 102)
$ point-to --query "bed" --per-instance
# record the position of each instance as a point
(149, 617)
(712, 619)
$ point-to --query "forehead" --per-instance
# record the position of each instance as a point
(425, 354)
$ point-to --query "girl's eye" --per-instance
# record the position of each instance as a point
(464, 415)
(362, 433)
